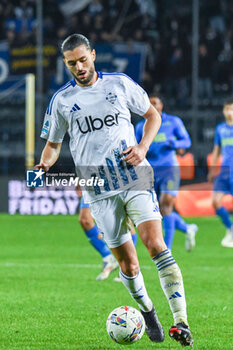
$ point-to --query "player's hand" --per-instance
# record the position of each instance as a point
(78, 190)
(211, 176)
(42, 166)
(134, 155)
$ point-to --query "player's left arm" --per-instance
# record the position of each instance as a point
(182, 137)
(136, 154)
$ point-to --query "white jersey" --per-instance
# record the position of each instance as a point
(98, 120)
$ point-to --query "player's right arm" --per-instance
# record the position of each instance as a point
(138, 102)
(49, 156)
(216, 153)
(53, 130)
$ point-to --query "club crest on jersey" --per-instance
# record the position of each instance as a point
(111, 97)
(91, 124)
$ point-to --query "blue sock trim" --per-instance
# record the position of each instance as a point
(165, 261)
(164, 252)
(128, 277)
(169, 229)
(98, 244)
(93, 232)
(224, 216)
(180, 224)
(167, 266)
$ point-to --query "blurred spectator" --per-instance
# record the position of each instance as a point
(10, 36)
(23, 10)
(62, 33)
(2, 18)
(147, 7)
(165, 25)
(205, 86)
(178, 79)
(49, 28)
(139, 35)
(95, 7)
(86, 23)
(74, 26)
(99, 29)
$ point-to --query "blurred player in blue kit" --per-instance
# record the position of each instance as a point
(94, 108)
(223, 183)
(161, 155)
(96, 239)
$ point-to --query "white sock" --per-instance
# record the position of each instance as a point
(172, 284)
(108, 258)
(137, 289)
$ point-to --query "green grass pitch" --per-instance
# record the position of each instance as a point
(50, 300)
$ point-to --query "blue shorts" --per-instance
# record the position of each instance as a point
(166, 179)
(224, 182)
(83, 205)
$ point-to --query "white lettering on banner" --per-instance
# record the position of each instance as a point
(13, 206)
(40, 202)
(25, 206)
(35, 207)
(28, 194)
(44, 193)
(55, 194)
(72, 206)
(60, 207)
(46, 206)
(15, 189)
(70, 195)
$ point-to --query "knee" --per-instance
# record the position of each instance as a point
(129, 268)
(216, 203)
(152, 237)
(166, 208)
(85, 222)
(155, 245)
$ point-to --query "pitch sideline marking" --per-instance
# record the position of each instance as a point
(94, 266)
(77, 266)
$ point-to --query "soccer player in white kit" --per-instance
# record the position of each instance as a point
(94, 108)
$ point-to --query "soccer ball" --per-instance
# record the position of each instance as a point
(125, 325)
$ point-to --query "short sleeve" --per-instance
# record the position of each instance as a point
(54, 126)
(137, 99)
(217, 139)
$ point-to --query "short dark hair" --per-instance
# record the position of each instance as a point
(73, 41)
(228, 102)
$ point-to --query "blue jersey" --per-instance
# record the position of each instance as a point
(224, 139)
(171, 135)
